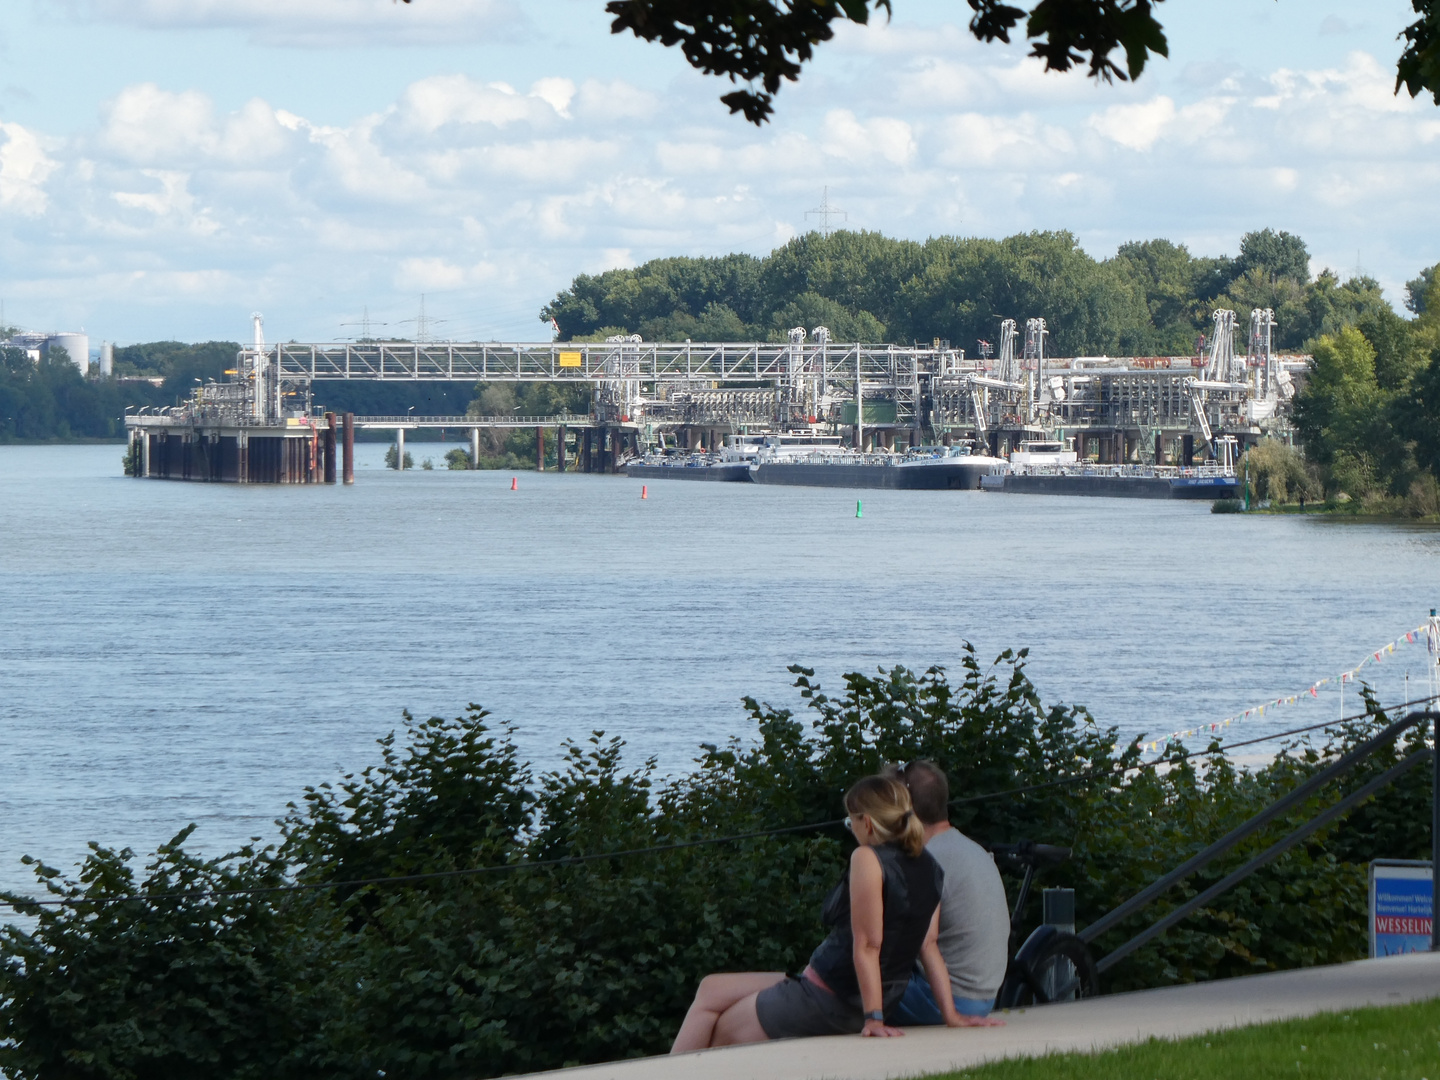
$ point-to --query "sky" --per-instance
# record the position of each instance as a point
(168, 167)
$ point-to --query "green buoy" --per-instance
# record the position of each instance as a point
(859, 512)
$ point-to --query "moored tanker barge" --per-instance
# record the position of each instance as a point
(1049, 468)
(944, 468)
(732, 462)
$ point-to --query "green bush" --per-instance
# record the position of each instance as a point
(1279, 473)
(531, 963)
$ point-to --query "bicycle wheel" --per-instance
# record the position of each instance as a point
(1059, 969)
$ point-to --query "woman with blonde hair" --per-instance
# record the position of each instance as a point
(882, 915)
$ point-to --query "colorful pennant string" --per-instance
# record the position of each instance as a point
(1376, 657)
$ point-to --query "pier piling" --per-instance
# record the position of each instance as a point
(349, 448)
(329, 448)
(562, 434)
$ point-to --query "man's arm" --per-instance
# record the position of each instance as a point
(939, 977)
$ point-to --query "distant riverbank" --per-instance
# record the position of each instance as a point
(1389, 512)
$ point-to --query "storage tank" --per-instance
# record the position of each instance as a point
(77, 345)
(107, 359)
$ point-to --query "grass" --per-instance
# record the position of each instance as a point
(1400, 1042)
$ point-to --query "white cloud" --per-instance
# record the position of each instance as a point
(24, 166)
(1136, 126)
(883, 137)
(318, 23)
(432, 104)
(615, 100)
(488, 195)
(432, 274)
(147, 125)
(172, 203)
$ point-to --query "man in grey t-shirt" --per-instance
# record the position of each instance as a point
(974, 915)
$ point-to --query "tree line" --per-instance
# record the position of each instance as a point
(1153, 297)
(169, 966)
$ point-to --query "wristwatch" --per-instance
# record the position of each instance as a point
(877, 1016)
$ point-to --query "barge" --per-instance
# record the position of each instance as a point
(1042, 467)
(732, 462)
(933, 468)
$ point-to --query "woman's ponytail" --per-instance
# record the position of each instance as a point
(913, 838)
(886, 802)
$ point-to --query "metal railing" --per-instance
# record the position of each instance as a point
(410, 421)
(1275, 810)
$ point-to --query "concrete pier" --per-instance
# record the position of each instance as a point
(293, 453)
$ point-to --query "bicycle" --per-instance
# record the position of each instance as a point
(1054, 964)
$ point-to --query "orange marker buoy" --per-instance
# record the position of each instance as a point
(644, 491)
(514, 483)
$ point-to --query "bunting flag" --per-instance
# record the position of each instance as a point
(1408, 638)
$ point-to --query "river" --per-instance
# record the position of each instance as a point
(176, 652)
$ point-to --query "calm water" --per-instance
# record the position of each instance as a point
(173, 652)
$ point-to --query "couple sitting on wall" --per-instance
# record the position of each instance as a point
(916, 890)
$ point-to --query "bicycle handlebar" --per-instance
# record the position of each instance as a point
(1029, 853)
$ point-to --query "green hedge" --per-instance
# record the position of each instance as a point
(484, 974)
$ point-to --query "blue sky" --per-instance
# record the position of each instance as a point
(168, 166)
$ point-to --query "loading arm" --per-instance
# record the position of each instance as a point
(1197, 404)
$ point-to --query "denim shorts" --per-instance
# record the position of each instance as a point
(918, 1006)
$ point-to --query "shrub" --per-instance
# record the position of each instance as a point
(537, 948)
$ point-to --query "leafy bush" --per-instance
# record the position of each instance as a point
(1279, 473)
(537, 949)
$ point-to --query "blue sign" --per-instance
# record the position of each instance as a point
(1402, 906)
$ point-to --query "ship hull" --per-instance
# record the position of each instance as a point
(1205, 488)
(940, 476)
(733, 472)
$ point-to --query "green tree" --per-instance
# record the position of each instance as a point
(1417, 288)
(1341, 414)
(1278, 472)
(1274, 255)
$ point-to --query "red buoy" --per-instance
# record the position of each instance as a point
(644, 491)
(514, 483)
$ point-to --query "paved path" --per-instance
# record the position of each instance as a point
(1085, 1025)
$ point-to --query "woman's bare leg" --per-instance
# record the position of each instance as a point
(717, 995)
(739, 1024)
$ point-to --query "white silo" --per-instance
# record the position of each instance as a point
(107, 359)
(77, 345)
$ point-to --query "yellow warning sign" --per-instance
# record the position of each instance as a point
(570, 359)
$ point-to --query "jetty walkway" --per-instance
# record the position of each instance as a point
(1097, 1024)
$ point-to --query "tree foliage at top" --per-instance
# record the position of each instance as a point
(764, 43)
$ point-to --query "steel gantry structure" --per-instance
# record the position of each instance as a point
(1138, 408)
(805, 380)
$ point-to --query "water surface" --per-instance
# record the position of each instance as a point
(175, 652)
